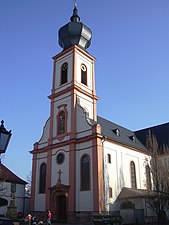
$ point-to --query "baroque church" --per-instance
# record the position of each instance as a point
(84, 164)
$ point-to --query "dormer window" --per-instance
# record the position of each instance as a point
(83, 74)
(132, 138)
(64, 73)
(117, 132)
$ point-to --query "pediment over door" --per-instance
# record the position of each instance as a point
(59, 194)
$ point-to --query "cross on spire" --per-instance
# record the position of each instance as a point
(75, 17)
(75, 2)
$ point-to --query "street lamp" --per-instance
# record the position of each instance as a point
(4, 138)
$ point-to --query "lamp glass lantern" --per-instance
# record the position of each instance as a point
(4, 138)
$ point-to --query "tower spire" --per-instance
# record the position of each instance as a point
(75, 32)
(75, 17)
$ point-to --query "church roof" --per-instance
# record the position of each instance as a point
(161, 132)
(120, 134)
(127, 193)
(8, 176)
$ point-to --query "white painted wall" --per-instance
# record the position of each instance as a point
(64, 167)
(40, 198)
(84, 199)
(87, 103)
(40, 202)
(117, 173)
(43, 142)
(19, 196)
(83, 126)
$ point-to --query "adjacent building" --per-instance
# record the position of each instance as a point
(12, 193)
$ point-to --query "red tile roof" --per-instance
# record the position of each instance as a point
(9, 176)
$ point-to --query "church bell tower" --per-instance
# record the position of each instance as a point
(73, 78)
(71, 136)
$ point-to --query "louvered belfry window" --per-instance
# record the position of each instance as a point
(83, 74)
(64, 70)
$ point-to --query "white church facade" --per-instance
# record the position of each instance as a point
(83, 163)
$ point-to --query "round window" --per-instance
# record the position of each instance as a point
(83, 67)
(64, 66)
(60, 158)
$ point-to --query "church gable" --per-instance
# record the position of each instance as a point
(43, 142)
(84, 126)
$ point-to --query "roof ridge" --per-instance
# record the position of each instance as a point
(155, 126)
(8, 175)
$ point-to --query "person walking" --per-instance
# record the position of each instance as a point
(29, 218)
(49, 216)
(33, 220)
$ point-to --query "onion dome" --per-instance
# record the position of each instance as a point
(75, 33)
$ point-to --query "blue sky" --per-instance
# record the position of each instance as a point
(130, 43)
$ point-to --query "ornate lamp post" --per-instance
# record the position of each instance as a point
(4, 138)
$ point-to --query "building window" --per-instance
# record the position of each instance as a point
(42, 181)
(132, 138)
(116, 131)
(110, 192)
(133, 175)
(109, 158)
(83, 74)
(85, 173)
(61, 122)
(13, 187)
(64, 73)
(148, 178)
(60, 158)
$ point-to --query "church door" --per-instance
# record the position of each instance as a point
(61, 207)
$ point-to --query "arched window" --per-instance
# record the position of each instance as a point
(61, 122)
(148, 177)
(85, 173)
(42, 181)
(64, 73)
(133, 175)
(83, 74)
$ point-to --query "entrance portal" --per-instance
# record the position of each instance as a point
(61, 207)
